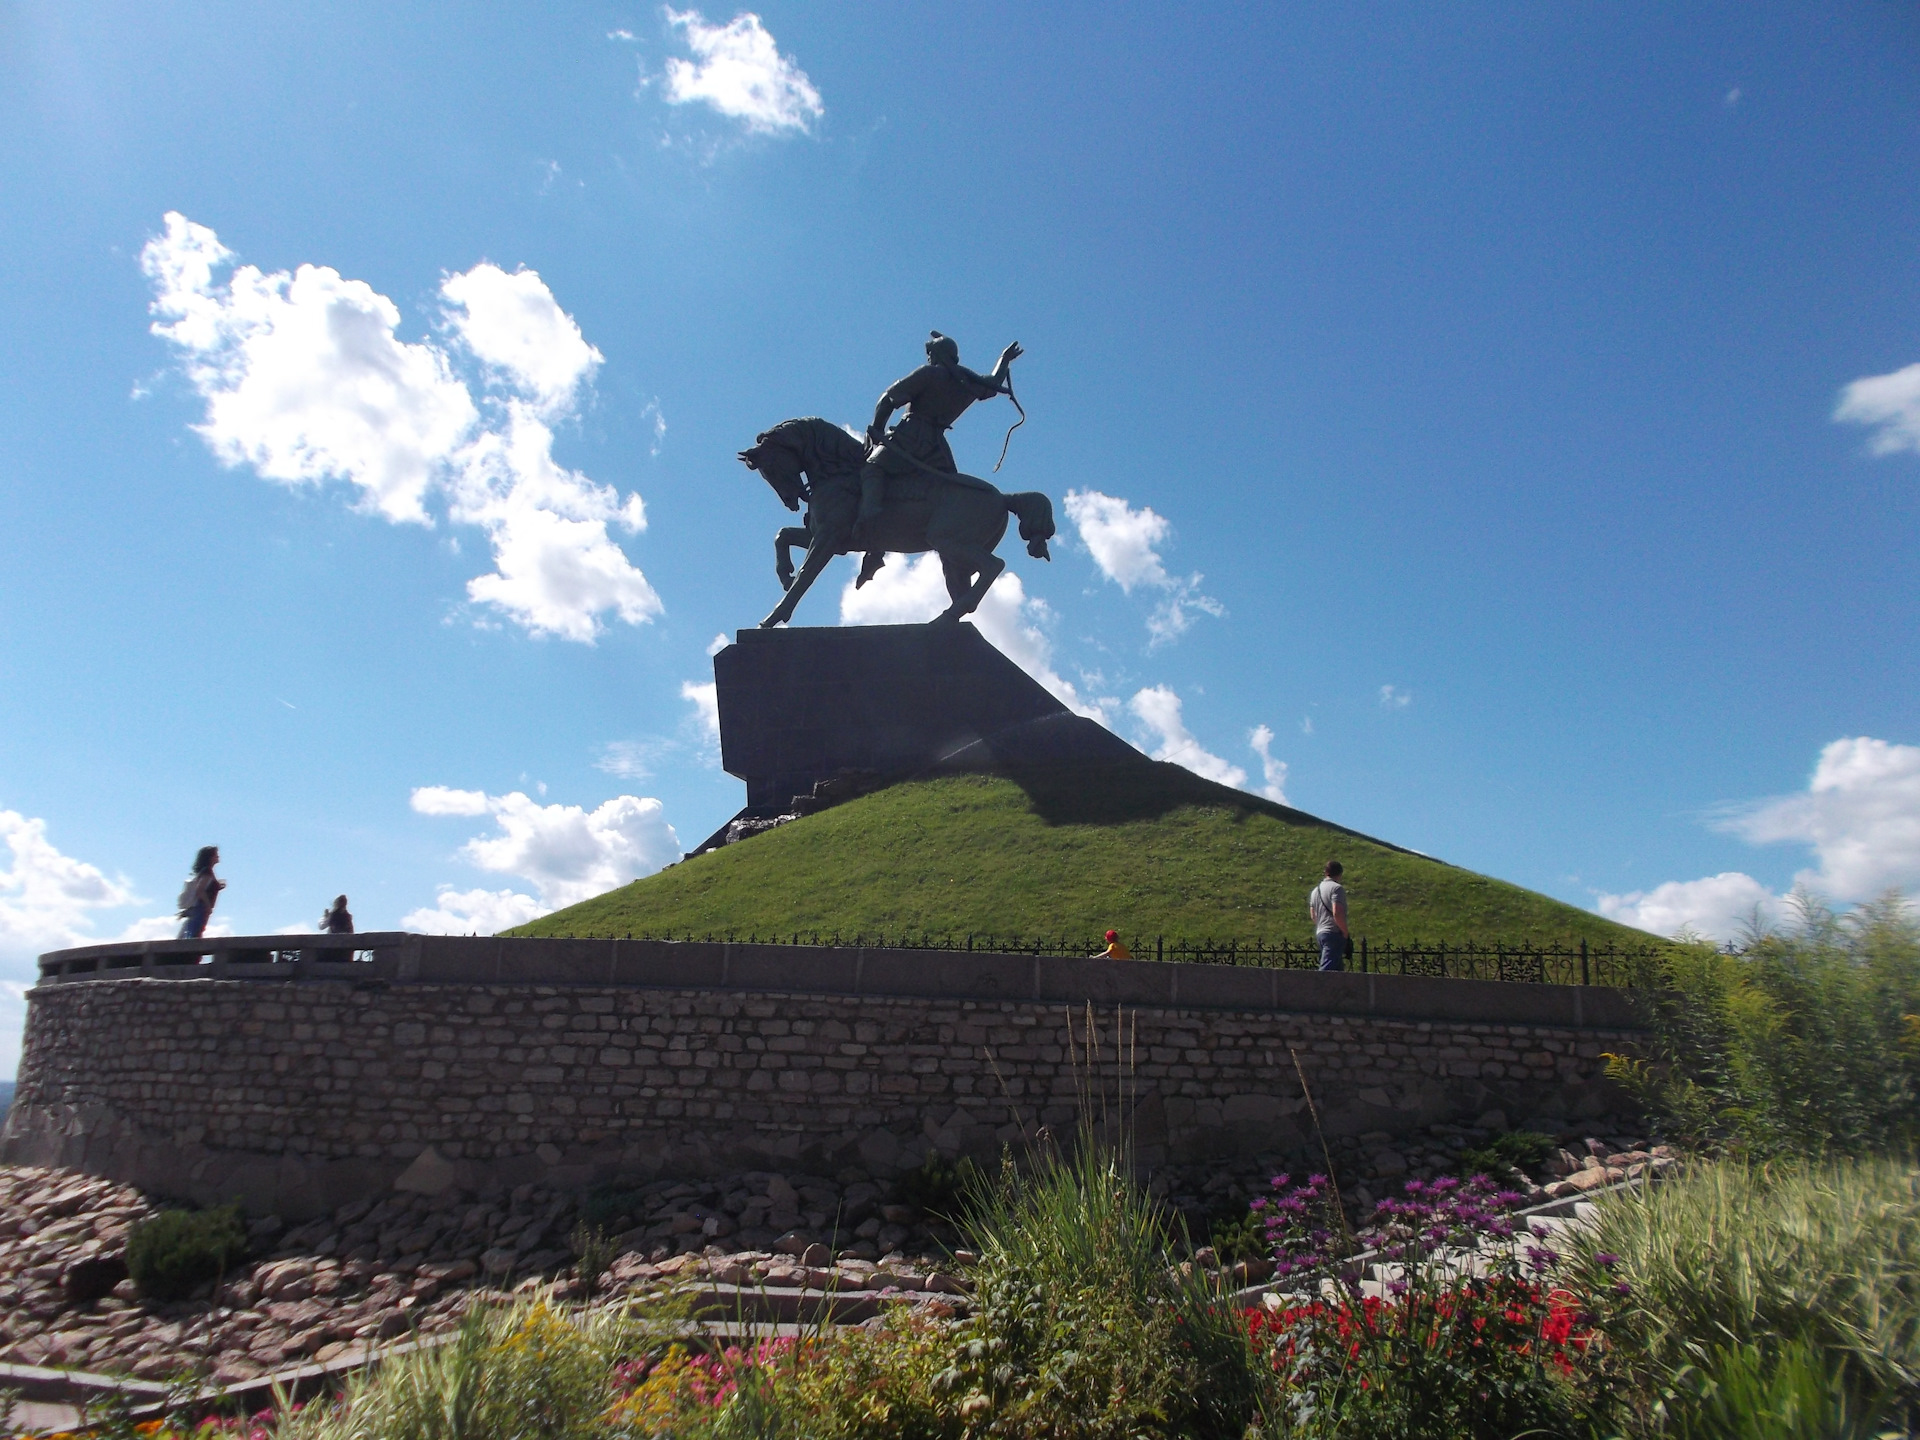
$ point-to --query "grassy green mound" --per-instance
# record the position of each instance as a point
(1149, 850)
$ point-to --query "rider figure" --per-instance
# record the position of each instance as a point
(936, 395)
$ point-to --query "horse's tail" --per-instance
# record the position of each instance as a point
(1035, 513)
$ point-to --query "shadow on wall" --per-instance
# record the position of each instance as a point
(6, 1098)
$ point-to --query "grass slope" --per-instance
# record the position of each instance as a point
(1144, 849)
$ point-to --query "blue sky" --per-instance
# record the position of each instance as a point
(1492, 430)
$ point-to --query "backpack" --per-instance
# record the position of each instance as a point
(189, 895)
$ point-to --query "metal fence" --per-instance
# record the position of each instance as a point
(1562, 963)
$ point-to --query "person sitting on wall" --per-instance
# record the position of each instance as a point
(338, 920)
(1116, 948)
(198, 895)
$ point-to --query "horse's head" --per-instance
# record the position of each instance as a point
(779, 464)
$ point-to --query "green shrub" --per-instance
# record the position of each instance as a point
(1729, 1258)
(939, 1189)
(1237, 1236)
(1518, 1152)
(1801, 1042)
(173, 1254)
(605, 1204)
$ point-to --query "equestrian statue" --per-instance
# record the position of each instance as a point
(898, 491)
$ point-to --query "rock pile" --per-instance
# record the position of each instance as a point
(386, 1266)
(382, 1267)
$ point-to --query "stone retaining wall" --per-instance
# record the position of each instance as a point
(300, 1096)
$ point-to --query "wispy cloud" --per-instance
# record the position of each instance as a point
(1124, 543)
(1889, 405)
(1158, 708)
(1394, 698)
(305, 381)
(1273, 772)
(704, 696)
(738, 71)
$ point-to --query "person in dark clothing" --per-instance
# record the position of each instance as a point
(935, 395)
(201, 891)
(338, 920)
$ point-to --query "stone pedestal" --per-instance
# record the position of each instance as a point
(798, 706)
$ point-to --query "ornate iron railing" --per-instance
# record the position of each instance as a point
(1556, 963)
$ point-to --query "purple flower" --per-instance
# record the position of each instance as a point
(1606, 1259)
(1621, 1287)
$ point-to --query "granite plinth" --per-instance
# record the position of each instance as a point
(802, 705)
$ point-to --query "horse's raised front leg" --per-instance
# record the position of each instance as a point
(960, 567)
(817, 560)
(794, 537)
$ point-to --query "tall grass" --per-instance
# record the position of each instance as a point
(1802, 1041)
(1085, 1327)
(526, 1371)
(1740, 1289)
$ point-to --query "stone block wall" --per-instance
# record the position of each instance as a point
(299, 1096)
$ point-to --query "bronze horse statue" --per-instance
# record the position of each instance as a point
(959, 517)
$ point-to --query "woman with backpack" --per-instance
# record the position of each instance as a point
(198, 895)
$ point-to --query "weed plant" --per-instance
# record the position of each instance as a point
(1805, 1041)
(594, 1252)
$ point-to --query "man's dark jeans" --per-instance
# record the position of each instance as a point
(1333, 950)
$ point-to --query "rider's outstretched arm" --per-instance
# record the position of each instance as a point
(1000, 371)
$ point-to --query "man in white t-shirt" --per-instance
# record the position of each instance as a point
(1327, 904)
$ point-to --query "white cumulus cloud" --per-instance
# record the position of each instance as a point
(47, 898)
(1890, 404)
(912, 590)
(1859, 815)
(1124, 543)
(303, 377)
(513, 323)
(738, 70)
(305, 380)
(1719, 907)
(567, 852)
(1273, 773)
(472, 912)
(1158, 708)
(50, 900)
(443, 800)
